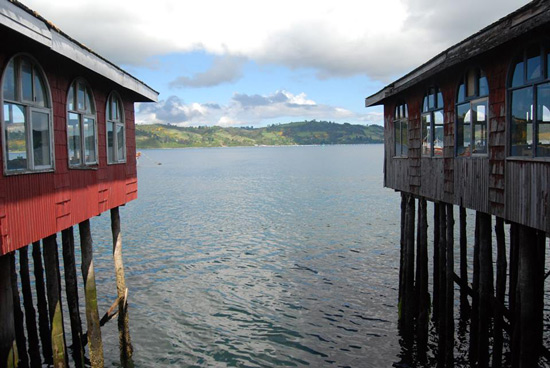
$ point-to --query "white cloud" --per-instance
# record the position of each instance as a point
(372, 37)
(224, 69)
(247, 110)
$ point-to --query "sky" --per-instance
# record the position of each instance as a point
(255, 63)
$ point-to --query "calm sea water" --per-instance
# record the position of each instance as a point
(258, 257)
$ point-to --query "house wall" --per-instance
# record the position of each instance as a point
(34, 206)
(511, 188)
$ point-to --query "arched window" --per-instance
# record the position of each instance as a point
(472, 114)
(26, 117)
(432, 123)
(116, 130)
(529, 96)
(81, 125)
(400, 123)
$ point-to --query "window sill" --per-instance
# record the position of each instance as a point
(92, 168)
(528, 159)
(116, 163)
(26, 172)
(400, 157)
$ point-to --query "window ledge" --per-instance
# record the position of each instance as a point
(93, 168)
(25, 172)
(528, 159)
(400, 157)
(116, 163)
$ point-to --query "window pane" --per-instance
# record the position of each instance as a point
(26, 80)
(71, 102)
(81, 97)
(461, 93)
(439, 100)
(114, 108)
(439, 133)
(41, 138)
(404, 137)
(522, 123)
(426, 135)
(431, 101)
(425, 104)
(121, 148)
(89, 103)
(543, 120)
(397, 137)
(463, 130)
(39, 90)
(9, 82)
(73, 132)
(110, 142)
(483, 86)
(517, 79)
(534, 64)
(16, 136)
(89, 140)
(471, 83)
(480, 127)
(406, 111)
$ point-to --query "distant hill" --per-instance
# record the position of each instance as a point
(298, 133)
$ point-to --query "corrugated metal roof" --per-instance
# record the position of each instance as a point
(511, 26)
(20, 18)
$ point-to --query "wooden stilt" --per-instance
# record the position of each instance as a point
(18, 317)
(442, 284)
(485, 288)
(402, 247)
(513, 293)
(422, 281)
(474, 322)
(30, 313)
(435, 296)
(500, 293)
(53, 287)
(71, 289)
(92, 315)
(464, 305)
(449, 303)
(125, 342)
(43, 315)
(531, 288)
(7, 326)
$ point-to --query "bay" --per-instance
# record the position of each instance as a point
(257, 257)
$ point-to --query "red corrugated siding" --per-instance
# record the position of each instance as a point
(34, 206)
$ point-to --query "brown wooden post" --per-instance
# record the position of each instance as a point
(531, 295)
(7, 325)
(18, 317)
(442, 283)
(95, 344)
(449, 313)
(125, 342)
(474, 322)
(485, 288)
(71, 289)
(500, 292)
(464, 305)
(513, 293)
(30, 313)
(402, 248)
(435, 296)
(53, 287)
(422, 281)
(43, 315)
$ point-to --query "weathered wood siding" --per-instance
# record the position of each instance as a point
(471, 183)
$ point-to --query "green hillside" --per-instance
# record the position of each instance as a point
(301, 133)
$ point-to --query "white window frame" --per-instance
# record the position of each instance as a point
(29, 107)
(120, 122)
(82, 114)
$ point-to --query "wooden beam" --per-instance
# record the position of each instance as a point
(423, 295)
(485, 290)
(125, 342)
(449, 302)
(500, 293)
(441, 349)
(43, 315)
(18, 316)
(7, 326)
(464, 305)
(30, 313)
(95, 343)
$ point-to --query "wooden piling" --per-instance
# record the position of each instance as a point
(53, 287)
(407, 301)
(500, 291)
(474, 313)
(125, 342)
(402, 248)
(485, 289)
(435, 293)
(464, 305)
(449, 302)
(423, 295)
(30, 313)
(442, 284)
(43, 315)
(513, 293)
(7, 326)
(71, 289)
(95, 344)
(18, 317)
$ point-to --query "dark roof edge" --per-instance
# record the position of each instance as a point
(19, 17)
(450, 56)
